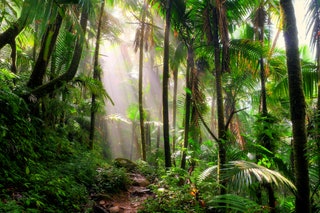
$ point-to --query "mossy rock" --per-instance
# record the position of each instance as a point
(125, 163)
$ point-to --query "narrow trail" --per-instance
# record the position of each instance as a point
(128, 201)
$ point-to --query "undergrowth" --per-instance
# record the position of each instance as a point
(47, 168)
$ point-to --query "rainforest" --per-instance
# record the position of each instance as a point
(159, 106)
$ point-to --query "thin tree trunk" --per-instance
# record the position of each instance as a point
(210, 41)
(190, 65)
(165, 109)
(297, 108)
(266, 141)
(174, 109)
(96, 76)
(141, 113)
(220, 108)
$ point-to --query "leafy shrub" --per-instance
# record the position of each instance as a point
(111, 180)
(172, 194)
(179, 199)
(150, 172)
(10, 206)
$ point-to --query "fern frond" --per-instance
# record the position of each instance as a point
(235, 203)
(206, 173)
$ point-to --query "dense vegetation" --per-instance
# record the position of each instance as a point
(239, 132)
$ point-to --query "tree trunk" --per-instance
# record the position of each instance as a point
(259, 22)
(220, 108)
(141, 113)
(174, 109)
(165, 109)
(96, 76)
(56, 83)
(48, 44)
(297, 108)
(190, 65)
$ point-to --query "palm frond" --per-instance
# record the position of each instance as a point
(178, 56)
(245, 48)
(313, 22)
(310, 78)
(243, 174)
(111, 27)
(246, 172)
(240, 10)
(234, 203)
(94, 86)
(207, 172)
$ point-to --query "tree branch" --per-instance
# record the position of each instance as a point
(205, 124)
(231, 116)
(13, 56)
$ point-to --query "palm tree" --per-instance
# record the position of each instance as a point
(188, 102)
(313, 16)
(176, 60)
(141, 49)
(165, 109)
(220, 32)
(96, 76)
(264, 139)
(297, 108)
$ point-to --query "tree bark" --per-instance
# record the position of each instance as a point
(165, 108)
(220, 106)
(174, 109)
(190, 66)
(297, 108)
(141, 113)
(48, 44)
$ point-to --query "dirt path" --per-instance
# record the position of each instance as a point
(128, 201)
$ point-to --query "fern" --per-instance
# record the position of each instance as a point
(234, 203)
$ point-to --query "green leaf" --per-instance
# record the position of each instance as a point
(27, 170)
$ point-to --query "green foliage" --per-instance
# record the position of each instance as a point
(44, 165)
(150, 172)
(172, 195)
(52, 188)
(286, 204)
(244, 173)
(111, 180)
(267, 131)
(235, 203)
